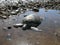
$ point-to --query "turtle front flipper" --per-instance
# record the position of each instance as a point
(36, 29)
(18, 25)
(26, 26)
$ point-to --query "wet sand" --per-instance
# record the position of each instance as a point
(50, 25)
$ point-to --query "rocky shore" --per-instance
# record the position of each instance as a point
(12, 8)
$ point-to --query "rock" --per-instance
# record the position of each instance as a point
(57, 33)
(8, 37)
(5, 28)
(9, 27)
(35, 9)
(25, 15)
(15, 12)
(37, 42)
(3, 17)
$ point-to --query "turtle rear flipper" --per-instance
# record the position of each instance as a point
(36, 29)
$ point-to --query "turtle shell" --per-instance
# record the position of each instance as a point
(32, 20)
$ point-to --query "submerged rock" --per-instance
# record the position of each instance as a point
(8, 37)
(25, 15)
(15, 12)
(9, 27)
(5, 28)
(35, 9)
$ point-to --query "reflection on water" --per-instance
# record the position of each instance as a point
(50, 25)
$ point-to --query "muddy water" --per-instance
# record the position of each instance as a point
(16, 36)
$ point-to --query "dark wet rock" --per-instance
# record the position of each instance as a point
(15, 12)
(3, 17)
(25, 15)
(24, 9)
(35, 9)
(9, 27)
(52, 5)
(22, 12)
(46, 10)
(5, 28)
(22, 6)
(30, 7)
(37, 5)
(4, 13)
(15, 26)
(57, 33)
(14, 7)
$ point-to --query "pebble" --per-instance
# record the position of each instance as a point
(9, 27)
(37, 42)
(4, 17)
(5, 28)
(8, 37)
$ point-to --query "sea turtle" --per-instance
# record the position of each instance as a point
(30, 22)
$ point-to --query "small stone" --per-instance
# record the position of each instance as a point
(55, 33)
(4, 17)
(4, 28)
(25, 15)
(36, 9)
(37, 42)
(9, 27)
(8, 37)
